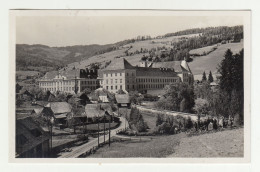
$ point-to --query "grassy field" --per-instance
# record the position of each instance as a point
(134, 59)
(201, 51)
(160, 146)
(227, 143)
(211, 61)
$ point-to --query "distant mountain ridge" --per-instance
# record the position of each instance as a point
(43, 57)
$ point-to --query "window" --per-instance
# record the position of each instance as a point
(111, 81)
(106, 81)
(106, 75)
(116, 87)
(111, 87)
(121, 87)
(115, 74)
(111, 74)
(133, 87)
(107, 87)
(133, 74)
(116, 81)
(120, 80)
(126, 74)
(120, 74)
(127, 86)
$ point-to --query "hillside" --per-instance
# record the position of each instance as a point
(211, 61)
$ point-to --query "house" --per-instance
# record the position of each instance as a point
(103, 97)
(36, 111)
(58, 110)
(123, 100)
(25, 95)
(100, 111)
(31, 140)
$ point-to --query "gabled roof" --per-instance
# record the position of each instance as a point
(37, 110)
(69, 74)
(25, 128)
(119, 63)
(148, 71)
(95, 110)
(122, 98)
(59, 107)
(176, 65)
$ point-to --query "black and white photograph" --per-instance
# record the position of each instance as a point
(93, 84)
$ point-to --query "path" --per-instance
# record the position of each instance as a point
(77, 151)
(193, 117)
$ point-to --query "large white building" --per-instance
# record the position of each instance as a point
(120, 74)
(70, 81)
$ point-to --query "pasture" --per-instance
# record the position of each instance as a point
(211, 61)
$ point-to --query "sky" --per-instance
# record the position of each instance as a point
(56, 31)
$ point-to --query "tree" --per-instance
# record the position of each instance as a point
(120, 91)
(204, 78)
(210, 78)
(201, 107)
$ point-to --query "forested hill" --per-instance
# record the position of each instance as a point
(41, 57)
(224, 31)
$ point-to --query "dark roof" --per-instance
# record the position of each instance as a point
(94, 110)
(122, 98)
(118, 64)
(176, 65)
(25, 128)
(59, 107)
(69, 74)
(146, 71)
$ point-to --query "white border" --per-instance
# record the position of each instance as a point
(247, 46)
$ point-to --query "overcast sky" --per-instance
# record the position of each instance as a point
(66, 31)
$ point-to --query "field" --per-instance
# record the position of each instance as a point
(221, 144)
(202, 51)
(227, 143)
(134, 59)
(160, 146)
(211, 61)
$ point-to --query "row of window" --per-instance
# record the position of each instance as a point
(156, 80)
(89, 82)
(116, 87)
(112, 81)
(90, 87)
(56, 83)
(151, 86)
(119, 74)
(60, 89)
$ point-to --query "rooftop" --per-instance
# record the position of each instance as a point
(59, 107)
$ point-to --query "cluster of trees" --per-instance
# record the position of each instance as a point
(228, 99)
(136, 120)
(204, 77)
(177, 97)
(172, 125)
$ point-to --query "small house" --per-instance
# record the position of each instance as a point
(58, 110)
(123, 100)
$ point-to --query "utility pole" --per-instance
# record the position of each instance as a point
(109, 129)
(98, 128)
(104, 128)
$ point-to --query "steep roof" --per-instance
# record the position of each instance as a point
(59, 107)
(95, 110)
(122, 98)
(25, 128)
(155, 72)
(119, 63)
(69, 74)
(176, 65)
